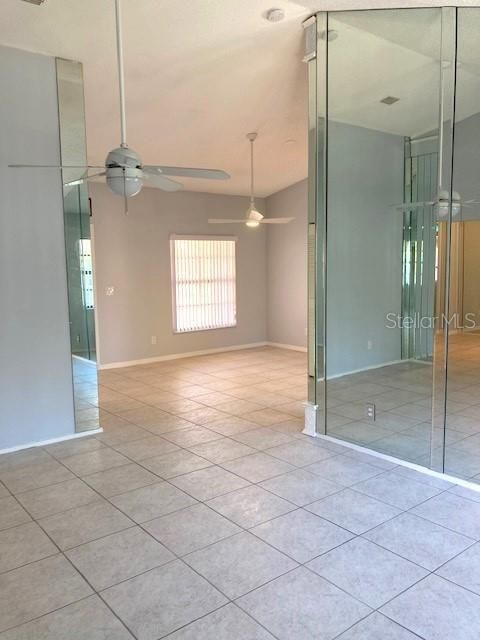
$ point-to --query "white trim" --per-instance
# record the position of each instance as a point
(96, 292)
(43, 443)
(179, 356)
(291, 347)
(209, 236)
(84, 360)
(310, 428)
(375, 366)
(402, 463)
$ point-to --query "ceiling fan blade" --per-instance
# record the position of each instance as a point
(72, 183)
(187, 172)
(226, 221)
(53, 166)
(276, 220)
(408, 206)
(163, 183)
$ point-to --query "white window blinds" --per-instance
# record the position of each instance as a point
(203, 283)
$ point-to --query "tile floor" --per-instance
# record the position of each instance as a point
(202, 512)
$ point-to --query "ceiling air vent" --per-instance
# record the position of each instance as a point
(389, 100)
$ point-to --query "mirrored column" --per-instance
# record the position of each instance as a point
(78, 244)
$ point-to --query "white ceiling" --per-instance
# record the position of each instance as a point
(341, 5)
(200, 74)
(400, 57)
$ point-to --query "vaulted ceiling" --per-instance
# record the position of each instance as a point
(200, 74)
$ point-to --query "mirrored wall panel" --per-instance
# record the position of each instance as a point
(397, 214)
(383, 153)
(78, 244)
(462, 435)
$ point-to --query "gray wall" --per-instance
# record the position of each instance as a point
(466, 166)
(35, 366)
(287, 267)
(364, 240)
(132, 254)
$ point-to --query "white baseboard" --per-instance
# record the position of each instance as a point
(310, 428)
(44, 443)
(179, 356)
(375, 366)
(291, 347)
(84, 360)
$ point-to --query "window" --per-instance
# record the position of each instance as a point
(203, 282)
(86, 272)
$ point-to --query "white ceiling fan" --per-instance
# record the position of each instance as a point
(123, 170)
(441, 204)
(253, 217)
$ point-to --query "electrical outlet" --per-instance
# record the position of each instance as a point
(154, 339)
(370, 345)
(370, 411)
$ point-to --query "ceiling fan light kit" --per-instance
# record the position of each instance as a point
(124, 172)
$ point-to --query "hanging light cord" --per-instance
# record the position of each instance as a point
(252, 197)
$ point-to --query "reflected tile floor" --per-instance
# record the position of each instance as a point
(402, 395)
(202, 512)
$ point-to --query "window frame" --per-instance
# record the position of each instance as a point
(173, 278)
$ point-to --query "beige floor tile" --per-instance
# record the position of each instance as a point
(175, 464)
(118, 557)
(41, 474)
(257, 467)
(118, 435)
(56, 498)
(239, 564)
(11, 513)
(38, 588)
(209, 483)
(152, 501)
(146, 448)
(120, 479)
(190, 529)
(222, 450)
(61, 450)
(87, 619)
(22, 545)
(83, 524)
(192, 437)
(163, 600)
(267, 417)
(94, 461)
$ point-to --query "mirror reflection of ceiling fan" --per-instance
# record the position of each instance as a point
(441, 204)
(123, 170)
(253, 217)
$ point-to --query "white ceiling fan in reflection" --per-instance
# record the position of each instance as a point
(124, 171)
(441, 205)
(253, 217)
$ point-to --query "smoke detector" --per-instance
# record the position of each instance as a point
(37, 2)
(389, 100)
(274, 15)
